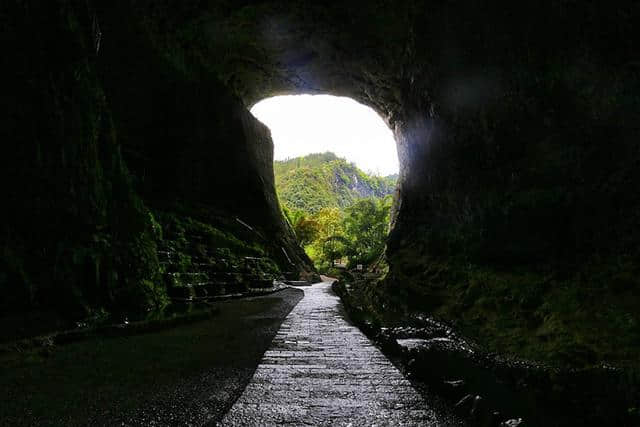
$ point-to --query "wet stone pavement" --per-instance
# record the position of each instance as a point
(321, 370)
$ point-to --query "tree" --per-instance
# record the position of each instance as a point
(326, 247)
(306, 229)
(304, 225)
(366, 225)
(322, 197)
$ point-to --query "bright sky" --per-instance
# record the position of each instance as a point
(303, 124)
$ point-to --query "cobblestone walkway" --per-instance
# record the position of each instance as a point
(320, 370)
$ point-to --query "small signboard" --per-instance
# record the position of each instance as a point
(359, 267)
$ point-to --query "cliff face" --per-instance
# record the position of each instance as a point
(515, 128)
(185, 136)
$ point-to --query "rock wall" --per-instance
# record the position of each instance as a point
(74, 233)
(519, 210)
(186, 137)
(516, 137)
(101, 119)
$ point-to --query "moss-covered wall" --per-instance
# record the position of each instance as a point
(103, 116)
(74, 234)
(188, 139)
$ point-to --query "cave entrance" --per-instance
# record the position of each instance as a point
(336, 169)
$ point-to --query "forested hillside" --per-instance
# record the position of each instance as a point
(324, 180)
(337, 211)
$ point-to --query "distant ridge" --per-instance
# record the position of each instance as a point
(322, 180)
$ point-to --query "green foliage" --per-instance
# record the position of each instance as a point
(143, 295)
(307, 229)
(190, 244)
(366, 226)
(314, 160)
(179, 228)
(323, 180)
(306, 189)
(327, 246)
(336, 210)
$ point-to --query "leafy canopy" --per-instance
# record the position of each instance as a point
(336, 210)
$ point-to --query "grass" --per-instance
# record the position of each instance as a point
(109, 379)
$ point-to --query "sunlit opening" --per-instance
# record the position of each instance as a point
(303, 124)
(335, 172)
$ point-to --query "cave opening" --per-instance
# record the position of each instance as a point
(336, 170)
(136, 181)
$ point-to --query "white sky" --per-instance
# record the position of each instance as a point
(303, 124)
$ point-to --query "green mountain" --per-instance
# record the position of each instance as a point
(323, 180)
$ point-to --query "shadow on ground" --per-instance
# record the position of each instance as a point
(189, 374)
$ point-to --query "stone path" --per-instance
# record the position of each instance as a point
(320, 370)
